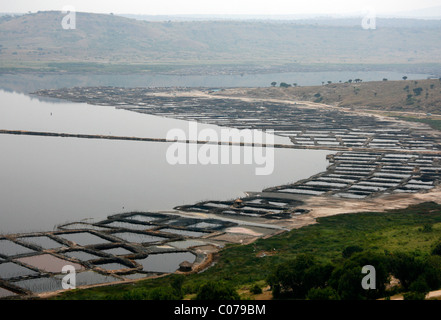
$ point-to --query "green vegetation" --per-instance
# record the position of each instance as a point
(217, 291)
(284, 85)
(305, 278)
(327, 257)
(433, 123)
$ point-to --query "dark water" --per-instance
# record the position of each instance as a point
(165, 262)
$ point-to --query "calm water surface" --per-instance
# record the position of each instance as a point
(46, 181)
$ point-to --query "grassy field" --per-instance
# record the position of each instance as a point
(433, 123)
(419, 96)
(415, 229)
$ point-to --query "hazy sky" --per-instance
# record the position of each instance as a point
(264, 7)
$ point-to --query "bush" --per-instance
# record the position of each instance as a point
(406, 268)
(417, 91)
(256, 289)
(346, 278)
(322, 294)
(163, 294)
(349, 251)
(296, 277)
(136, 294)
(419, 285)
(414, 296)
(176, 284)
(217, 291)
(427, 228)
(437, 249)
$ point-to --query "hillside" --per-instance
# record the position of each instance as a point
(402, 96)
(100, 41)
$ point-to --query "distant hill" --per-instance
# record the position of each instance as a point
(103, 40)
(428, 13)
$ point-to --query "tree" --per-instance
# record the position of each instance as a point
(322, 294)
(217, 291)
(347, 282)
(437, 249)
(418, 91)
(273, 84)
(406, 268)
(163, 294)
(349, 251)
(414, 296)
(284, 85)
(384, 79)
(432, 272)
(346, 279)
(256, 289)
(294, 278)
(405, 78)
(176, 284)
(420, 286)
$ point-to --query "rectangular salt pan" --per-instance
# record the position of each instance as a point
(303, 191)
(112, 266)
(42, 241)
(127, 225)
(6, 293)
(87, 278)
(165, 262)
(350, 195)
(205, 225)
(83, 238)
(142, 218)
(40, 285)
(138, 237)
(10, 270)
(48, 263)
(392, 175)
(81, 255)
(118, 251)
(328, 184)
(184, 232)
(10, 248)
(82, 226)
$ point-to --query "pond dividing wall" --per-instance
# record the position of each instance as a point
(124, 247)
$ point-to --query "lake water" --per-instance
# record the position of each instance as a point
(32, 82)
(46, 181)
